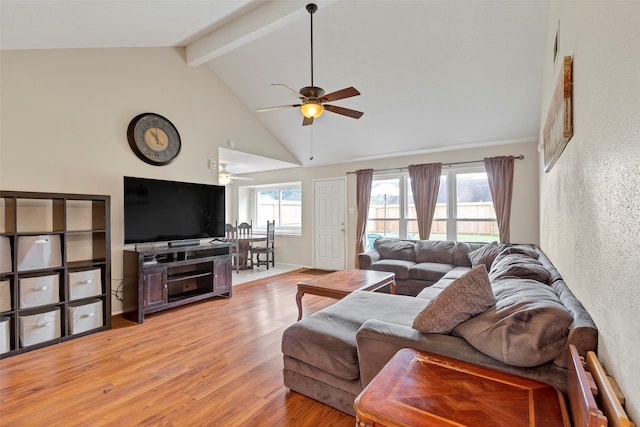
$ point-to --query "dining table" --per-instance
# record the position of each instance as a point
(244, 245)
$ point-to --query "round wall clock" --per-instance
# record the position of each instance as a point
(154, 139)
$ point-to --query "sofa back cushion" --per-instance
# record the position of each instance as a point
(527, 327)
(435, 251)
(395, 249)
(518, 264)
(461, 253)
(484, 255)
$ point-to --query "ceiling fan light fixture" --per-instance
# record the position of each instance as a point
(224, 179)
(311, 110)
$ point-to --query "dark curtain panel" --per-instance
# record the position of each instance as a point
(500, 176)
(364, 178)
(425, 182)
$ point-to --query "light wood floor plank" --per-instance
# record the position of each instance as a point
(211, 363)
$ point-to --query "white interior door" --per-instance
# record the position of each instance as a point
(329, 224)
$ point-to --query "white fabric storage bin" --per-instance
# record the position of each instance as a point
(5, 334)
(5, 255)
(5, 296)
(37, 328)
(83, 284)
(85, 317)
(39, 290)
(36, 252)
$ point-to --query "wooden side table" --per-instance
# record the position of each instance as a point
(421, 389)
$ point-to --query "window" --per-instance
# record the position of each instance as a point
(465, 209)
(386, 217)
(282, 204)
(471, 218)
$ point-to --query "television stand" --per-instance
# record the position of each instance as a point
(159, 279)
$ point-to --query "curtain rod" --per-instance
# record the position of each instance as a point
(520, 157)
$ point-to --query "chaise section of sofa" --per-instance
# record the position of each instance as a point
(334, 353)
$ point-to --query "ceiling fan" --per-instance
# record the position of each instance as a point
(226, 178)
(313, 97)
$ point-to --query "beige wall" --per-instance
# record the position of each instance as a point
(297, 250)
(590, 200)
(64, 117)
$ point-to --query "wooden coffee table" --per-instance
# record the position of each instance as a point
(341, 283)
(422, 389)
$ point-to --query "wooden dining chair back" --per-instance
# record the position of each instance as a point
(231, 237)
(229, 231)
(245, 229)
(268, 250)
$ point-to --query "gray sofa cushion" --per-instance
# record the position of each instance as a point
(334, 350)
(435, 251)
(484, 255)
(396, 249)
(429, 271)
(465, 297)
(509, 264)
(527, 250)
(461, 253)
(432, 292)
(528, 326)
(397, 266)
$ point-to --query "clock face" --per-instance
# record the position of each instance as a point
(153, 139)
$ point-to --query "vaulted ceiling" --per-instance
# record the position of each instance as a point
(433, 75)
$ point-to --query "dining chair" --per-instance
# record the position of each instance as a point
(268, 250)
(231, 237)
(245, 229)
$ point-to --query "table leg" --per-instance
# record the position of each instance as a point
(392, 286)
(299, 302)
(244, 249)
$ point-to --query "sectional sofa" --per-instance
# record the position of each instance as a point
(334, 353)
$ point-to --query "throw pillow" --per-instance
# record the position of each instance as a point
(464, 298)
(484, 255)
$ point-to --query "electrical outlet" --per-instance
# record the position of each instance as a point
(212, 164)
(186, 287)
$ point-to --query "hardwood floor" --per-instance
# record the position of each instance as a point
(212, 363)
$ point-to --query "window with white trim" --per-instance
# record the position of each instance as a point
(281, 203)
(471, 218)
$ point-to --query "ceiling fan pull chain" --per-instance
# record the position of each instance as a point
(310, 142)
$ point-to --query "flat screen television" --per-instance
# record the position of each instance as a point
(170, 211)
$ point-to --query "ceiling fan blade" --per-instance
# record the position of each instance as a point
(291, 91)
(307, 121)
(340, 94)
(344, 111)
(279, 107)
